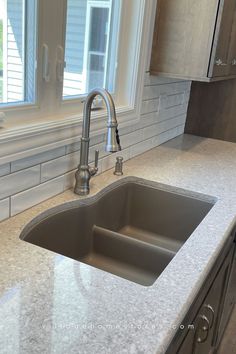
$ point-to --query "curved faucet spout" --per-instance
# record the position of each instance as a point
(84, 172)
(88, 105)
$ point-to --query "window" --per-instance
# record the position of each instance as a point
(97, 45)
(52, 53)
(17, 51)
(105, 41)
(91, 46)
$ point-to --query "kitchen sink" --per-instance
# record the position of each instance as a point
(132, 229)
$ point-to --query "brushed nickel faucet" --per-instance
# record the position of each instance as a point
(85, 172)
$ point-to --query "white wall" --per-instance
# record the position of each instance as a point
(26, 182)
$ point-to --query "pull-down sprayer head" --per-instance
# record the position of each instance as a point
(113, 139)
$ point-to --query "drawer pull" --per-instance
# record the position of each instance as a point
(204, 328)
(233, 62)
(209, 308)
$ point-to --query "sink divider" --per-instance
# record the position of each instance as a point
(136, 255)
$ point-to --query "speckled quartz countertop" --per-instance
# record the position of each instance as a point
(53, 304)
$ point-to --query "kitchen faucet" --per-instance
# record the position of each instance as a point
(85, 172)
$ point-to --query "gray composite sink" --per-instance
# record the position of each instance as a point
(131, 229)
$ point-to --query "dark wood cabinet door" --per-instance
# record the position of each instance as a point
(220, 64)
(232, 49)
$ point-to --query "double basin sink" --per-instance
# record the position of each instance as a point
(132, 229)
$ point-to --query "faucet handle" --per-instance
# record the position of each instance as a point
(96, 159)
(94, 170)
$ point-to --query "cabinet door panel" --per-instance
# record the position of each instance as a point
(202, 338)
(229, 302)
(188, 344)
(232, 50)
(183, 35)
(220, 53)
(211, 306)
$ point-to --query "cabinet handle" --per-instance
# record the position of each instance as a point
(60, 63)
(219, 62)
(204, 328)
(211, 310)
(46, 63)
(233, 62)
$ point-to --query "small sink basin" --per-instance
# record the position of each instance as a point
(132, 229)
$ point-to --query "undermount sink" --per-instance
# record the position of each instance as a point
(132, 229)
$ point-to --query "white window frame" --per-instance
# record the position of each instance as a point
(18, 103)
(30, 129)
(4, 54)
(92, 4)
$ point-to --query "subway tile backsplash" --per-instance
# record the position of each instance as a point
(59, 166)
(37, 159)
(4, 208)
(5, 169)
(19, 181)
(35, 195)
(29, 181)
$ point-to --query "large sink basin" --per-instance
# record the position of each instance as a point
(133, 228)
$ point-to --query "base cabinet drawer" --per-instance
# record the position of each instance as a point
(229, 302)
(204, 319)
(200, 339)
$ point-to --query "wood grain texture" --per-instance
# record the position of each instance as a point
(191, 36)
(228, 344)
(212, 110)
(182, 42)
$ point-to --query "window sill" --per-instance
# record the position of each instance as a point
(31, 139)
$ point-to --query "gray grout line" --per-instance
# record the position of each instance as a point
(137, 130)
(128, 149)
(166, 83)
(10, 206)
(40, 174)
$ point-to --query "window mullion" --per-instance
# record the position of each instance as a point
(107, 44)
(24, 26)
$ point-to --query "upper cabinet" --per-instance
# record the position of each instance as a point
(195, 39)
